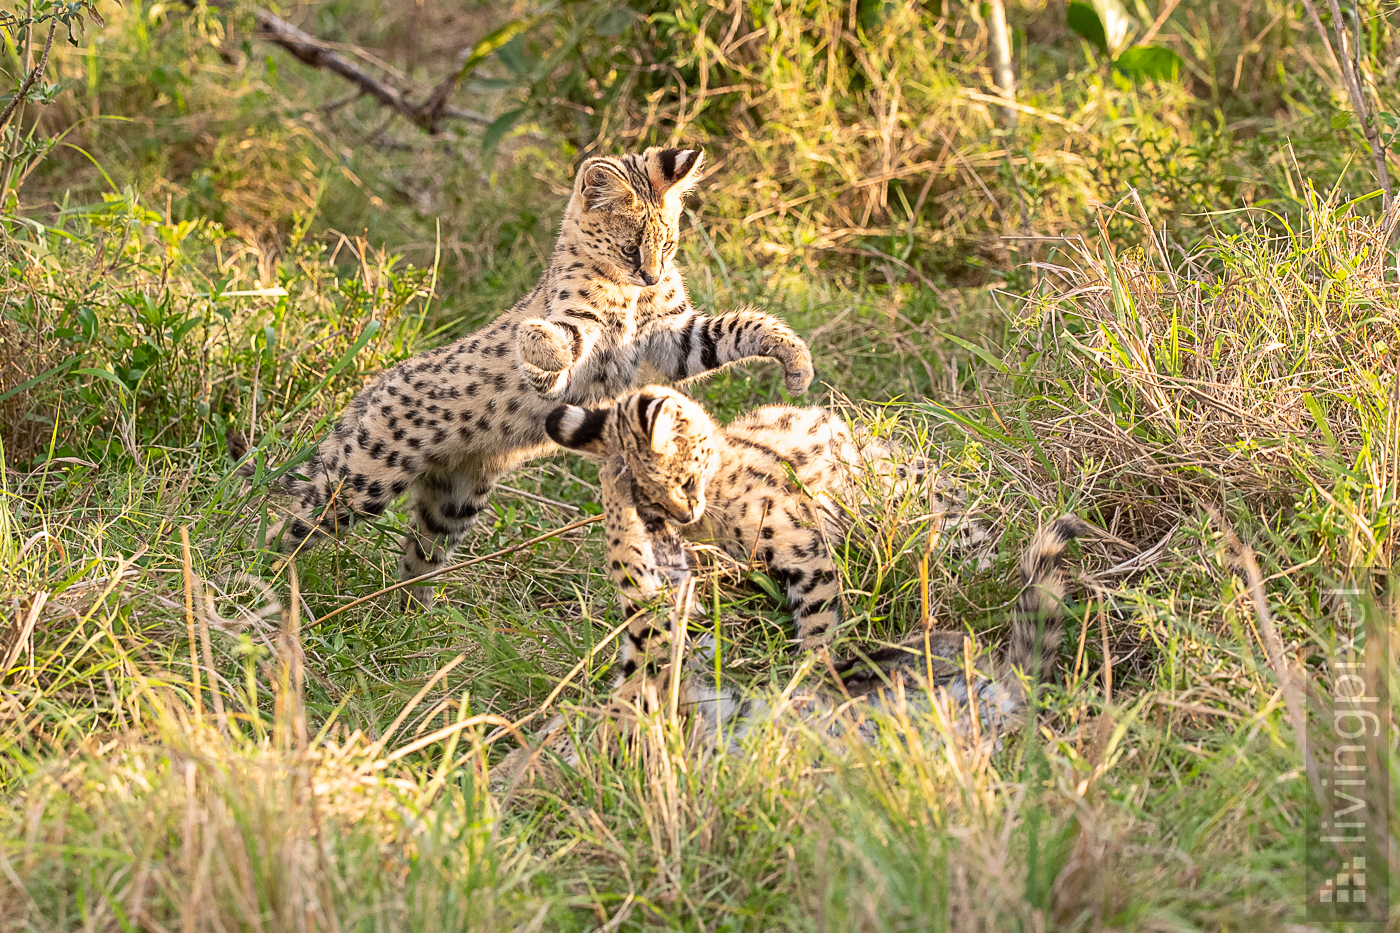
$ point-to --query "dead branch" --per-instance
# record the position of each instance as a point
(461, 565)
(23, 93)
(1348, 65)
(309, 50)
(1005, 74)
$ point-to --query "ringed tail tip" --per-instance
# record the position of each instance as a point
(1042, 557)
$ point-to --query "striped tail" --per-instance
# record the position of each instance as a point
(1038, 620)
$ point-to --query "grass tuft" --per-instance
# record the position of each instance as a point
(192, 739)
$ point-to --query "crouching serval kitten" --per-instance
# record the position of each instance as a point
(771, 486)
(448, 423)
(898, 684)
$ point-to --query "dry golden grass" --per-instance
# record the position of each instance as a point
(1250, 374)
(1159, 781)
(859, 178)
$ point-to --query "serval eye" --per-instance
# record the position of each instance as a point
(630, 251)
(691, 485)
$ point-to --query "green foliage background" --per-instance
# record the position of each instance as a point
(1165, 299)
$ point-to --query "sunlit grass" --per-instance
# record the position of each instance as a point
(334, 776)
(190, 740)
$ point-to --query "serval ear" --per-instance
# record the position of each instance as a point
(656, 415)
(579, 429)
(673, 172)
(604, 187)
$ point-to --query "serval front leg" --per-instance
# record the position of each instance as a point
(688, 345)
(648, 563)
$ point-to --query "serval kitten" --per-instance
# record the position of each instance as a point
(899, 684)
(448, 423)
(771, 487)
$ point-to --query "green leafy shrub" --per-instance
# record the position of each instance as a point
(176, 330)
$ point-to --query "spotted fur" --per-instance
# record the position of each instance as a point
(448, 423)
(768, 487)
(900, 682)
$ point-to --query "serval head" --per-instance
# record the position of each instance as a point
(625, 212)
(668, 442)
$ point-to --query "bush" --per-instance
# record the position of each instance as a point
(173, 330)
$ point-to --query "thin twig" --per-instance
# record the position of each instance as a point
(450, 568)
(1158, 23)
(29, 80)
(18, 100)
(1001, 46)
(1350, 72)
(536, 497)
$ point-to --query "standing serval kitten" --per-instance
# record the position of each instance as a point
(769, 486)
(450, 422)
(893, 682)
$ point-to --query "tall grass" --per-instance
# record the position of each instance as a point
(186, 738)
(179, 810)
(332, 776)
(1254, 375)
(858, 141)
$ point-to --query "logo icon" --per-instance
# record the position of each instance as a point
(1349, 887)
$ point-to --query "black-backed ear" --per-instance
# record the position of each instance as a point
(674, 172)
(657, 416)
(604, 187)
(578, 429)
